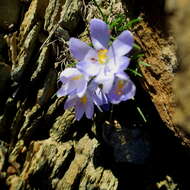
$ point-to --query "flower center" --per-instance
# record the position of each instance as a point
(77, 77)
(119, 87)
(102, 56)
(83, 99)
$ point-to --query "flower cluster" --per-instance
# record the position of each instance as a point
(99, 76)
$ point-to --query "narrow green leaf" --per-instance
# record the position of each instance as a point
(141, 114)
(136, 46)
(143, 63)
(135, 72)
(134, 21)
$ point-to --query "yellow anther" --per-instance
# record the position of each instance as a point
(102, 56)
(83, 99)
(119, 87)
(77, 77)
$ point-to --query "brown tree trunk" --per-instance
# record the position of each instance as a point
(42, 146)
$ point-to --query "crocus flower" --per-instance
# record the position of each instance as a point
(102, 61)
(73, 81)
(123, 89)
(101, 54)
(99, 76)
(82, 105)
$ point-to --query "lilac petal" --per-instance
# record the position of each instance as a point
(64, 90)
(131, 90)
(128, 92)
(70, 102)
(103, 99)
(75, 82)
(63, 76)
(69, 72)
(99, 33)
(122, 45)
(78, 48)
(92, 86)
(63, 79)
(113, 98)
(91, 56)
(89, 110)
(106, 80)
(91, 69)
(99, 97)
(81, 88)
(72, 86)
(122, 75)
(96, 93)
(60, 92)
(118, 64)
(123, 63)
(68, 88)
(97, 100)
(79, 111)
(108, 84)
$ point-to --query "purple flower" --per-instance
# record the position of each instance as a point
(73, 82)
(82, 105)
(122, 90)
(99, 97)
(99, 76)
(85, 104)
(101, 58)
(101, 61)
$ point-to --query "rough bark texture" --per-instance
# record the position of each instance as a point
(164, 42)
(160, 54)
(44, 147)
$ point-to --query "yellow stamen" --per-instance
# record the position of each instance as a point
(77, 77)
(102, 56)
(119, 87)
(83, 99)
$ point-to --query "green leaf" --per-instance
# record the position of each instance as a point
(136, 73)
(143, 63)
(137, 56)
(136, 46)
(134, 21)
(141, 114)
